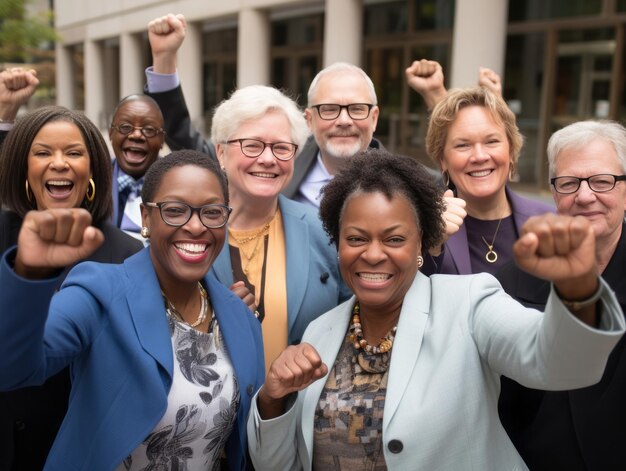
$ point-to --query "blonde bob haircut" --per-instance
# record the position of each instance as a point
(254, 102)
(446, 111)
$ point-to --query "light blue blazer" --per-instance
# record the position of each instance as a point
(456, 335)
(314, 284)
(109, 324)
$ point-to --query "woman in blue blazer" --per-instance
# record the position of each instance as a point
(164, 359)
(275, 246)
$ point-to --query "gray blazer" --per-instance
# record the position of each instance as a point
(456, 335)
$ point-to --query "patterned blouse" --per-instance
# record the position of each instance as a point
(349, 415)
(201, 406)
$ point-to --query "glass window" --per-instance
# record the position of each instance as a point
(386, 17)
(433, 14)
(545, 9)
(522, 85)
(219, 42)
(298, 31)
(78, 72)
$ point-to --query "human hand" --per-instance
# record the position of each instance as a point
(453, 216)
(426, 78)
(560, 249)
(295, 368)
(240, 289)
(490, 80)
(17, 85)
(54, 238)
(166, 34)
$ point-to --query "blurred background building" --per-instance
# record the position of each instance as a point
(561, 60)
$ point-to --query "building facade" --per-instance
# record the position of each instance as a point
(561, 60)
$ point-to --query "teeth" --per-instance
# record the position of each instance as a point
(59, 183)
(264, 175)
(374, 276)
(482, 173)
(191, 248)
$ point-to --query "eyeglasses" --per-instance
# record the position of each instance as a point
(600, 183)
(356, 111)
(147, 131)
(253, 148)
(175, 213)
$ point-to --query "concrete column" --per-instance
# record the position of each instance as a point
(343, 31)
(253, 48)
(190, 71)
(132, 77)
(64, 76)
(479, 40)
(94, 83)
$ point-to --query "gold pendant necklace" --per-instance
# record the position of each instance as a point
(491, 256)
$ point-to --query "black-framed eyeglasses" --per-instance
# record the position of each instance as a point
(356, 111)
(253, 148)
(600, 183)
(147, 131)
(176, 213)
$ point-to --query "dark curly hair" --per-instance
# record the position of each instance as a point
(180, 158)
(14, 160)
(391, 174)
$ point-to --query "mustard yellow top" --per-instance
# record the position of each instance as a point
(272, 293)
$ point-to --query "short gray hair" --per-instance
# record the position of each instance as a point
(253, 102)
(582, 133)
(341, 67)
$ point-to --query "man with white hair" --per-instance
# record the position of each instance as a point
(584, 429)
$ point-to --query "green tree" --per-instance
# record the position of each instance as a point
(24, 37)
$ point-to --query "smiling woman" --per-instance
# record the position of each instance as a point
(53, 158)
(412, 362)
(183, 353)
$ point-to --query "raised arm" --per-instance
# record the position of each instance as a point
(426, 78)
(166, 35)
(561, 249)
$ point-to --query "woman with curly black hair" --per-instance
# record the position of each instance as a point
(411, 365)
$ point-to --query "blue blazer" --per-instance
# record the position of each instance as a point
(455, 259)
(314, 284)
(109, 324)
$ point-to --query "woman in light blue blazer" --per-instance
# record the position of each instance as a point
(164, 359)
(406, 374)
(275, 246)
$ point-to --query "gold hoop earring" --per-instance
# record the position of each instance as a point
(29, 193)
(91, 196)
(420, 261)
(445, 176)
(145, 232)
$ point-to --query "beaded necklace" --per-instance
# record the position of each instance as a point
(356, 335)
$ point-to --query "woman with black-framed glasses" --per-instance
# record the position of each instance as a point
(164, 358)
(276, 246)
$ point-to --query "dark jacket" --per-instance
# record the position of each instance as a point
(30, 417)
(583, 429)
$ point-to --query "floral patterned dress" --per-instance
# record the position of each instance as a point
(201, 410)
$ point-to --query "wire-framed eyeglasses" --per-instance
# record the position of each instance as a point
(253, 148)
(599, 183)
(176, 213)
(147, 131)
(356, 111)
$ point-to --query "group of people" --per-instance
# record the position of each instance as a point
(291, 305)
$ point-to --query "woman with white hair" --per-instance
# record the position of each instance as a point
(276, 246)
